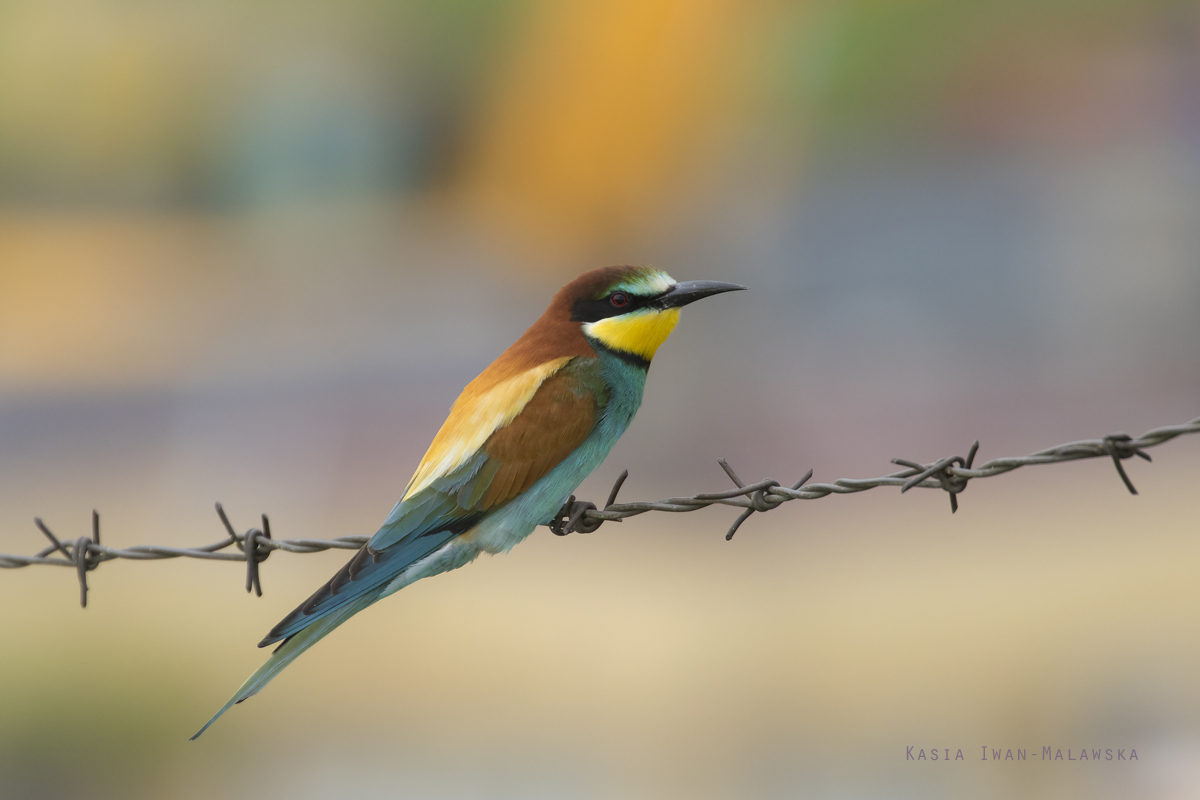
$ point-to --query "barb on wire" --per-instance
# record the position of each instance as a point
(953, 484)
(950, 474)
(256, 545)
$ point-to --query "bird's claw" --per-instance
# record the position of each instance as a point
(572, 517)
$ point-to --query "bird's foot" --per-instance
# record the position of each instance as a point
(572, 517)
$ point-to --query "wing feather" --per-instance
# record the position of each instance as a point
(556, 420)
(556, 417)
(474, 417)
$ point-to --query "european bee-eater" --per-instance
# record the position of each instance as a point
(519, 439)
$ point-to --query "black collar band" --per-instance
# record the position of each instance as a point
(624, 355)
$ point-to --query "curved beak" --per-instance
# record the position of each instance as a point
(686, 292)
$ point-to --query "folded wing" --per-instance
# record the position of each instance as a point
(529, 424)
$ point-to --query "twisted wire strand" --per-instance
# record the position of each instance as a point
(950, 474)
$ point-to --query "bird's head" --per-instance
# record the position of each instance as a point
(631, 310)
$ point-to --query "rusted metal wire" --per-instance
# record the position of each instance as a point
(949, 474)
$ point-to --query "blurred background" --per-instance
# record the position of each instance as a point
(250, 252)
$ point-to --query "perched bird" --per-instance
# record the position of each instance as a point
(519, 439)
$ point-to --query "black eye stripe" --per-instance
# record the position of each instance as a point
(604, 307)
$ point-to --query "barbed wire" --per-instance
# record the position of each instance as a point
(950, 474)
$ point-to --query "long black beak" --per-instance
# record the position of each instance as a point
(686, 292)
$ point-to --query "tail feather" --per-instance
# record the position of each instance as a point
(291, 649)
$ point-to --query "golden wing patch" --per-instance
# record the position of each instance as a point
(553, 423)
(474, 417)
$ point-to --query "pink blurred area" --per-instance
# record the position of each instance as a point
(250, 252)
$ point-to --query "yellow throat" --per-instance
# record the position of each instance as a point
(638, 332)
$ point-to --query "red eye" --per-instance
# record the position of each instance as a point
(619, 299)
